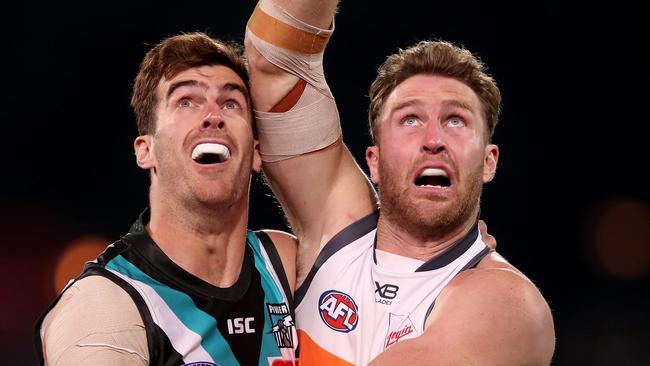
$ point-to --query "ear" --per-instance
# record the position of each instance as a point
(372, 159)
(257, 157)
(490, 163)
(143, 146)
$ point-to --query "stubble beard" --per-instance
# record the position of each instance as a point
(437, 219)
(176, 183)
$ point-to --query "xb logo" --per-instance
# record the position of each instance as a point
(387, 293)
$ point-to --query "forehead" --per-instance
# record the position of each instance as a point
(431, 90)
(210, 75)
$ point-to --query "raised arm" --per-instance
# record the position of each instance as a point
(312, 173)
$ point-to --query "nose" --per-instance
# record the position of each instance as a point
(433, 140)
(214, 119)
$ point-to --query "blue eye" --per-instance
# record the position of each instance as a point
(410, 121)
(185, 103)
(231, 105)
(455, 122)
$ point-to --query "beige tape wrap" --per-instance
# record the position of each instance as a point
(296, 47)
(94, 323)
(312, 124)
(290, 44)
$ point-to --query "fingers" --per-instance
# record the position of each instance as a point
(488, 239)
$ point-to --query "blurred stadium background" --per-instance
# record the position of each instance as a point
(570, 205)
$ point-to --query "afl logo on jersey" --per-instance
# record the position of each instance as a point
(338, 311)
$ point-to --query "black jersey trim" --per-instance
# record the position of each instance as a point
(471, 264)
(452, 253)
(156, 264)
(477, 258)
(344, 237)
(276, 261)
(168, 354)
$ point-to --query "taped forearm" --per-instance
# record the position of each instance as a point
(290, 44)
(308, 121)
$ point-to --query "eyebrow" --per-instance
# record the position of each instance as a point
(447, 103)
(195, 83)
(407, 103)
(459, 104)
(181, 83)
(237, 87)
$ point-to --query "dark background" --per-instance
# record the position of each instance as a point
(569, 206)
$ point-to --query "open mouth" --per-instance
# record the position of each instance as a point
(433, 177)
(210, 153)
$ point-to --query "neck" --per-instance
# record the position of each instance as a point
(208, 242)
(396, 239)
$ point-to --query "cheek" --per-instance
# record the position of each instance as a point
(244, 131)
(472, 161)
(165, 142)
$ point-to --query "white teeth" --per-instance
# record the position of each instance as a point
(211, 148)
(433, 172)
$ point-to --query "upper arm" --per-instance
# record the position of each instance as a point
(321, 191)
(483, 317)
(95, 322)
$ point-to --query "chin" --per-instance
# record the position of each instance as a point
(214, 197)
(429, 220)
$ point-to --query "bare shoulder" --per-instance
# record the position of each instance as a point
(86, 296)
(490, 315)
(95, 290)
(287, 246)
(95, 311)
(500, 311)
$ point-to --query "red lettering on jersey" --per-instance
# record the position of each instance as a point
(394, 336)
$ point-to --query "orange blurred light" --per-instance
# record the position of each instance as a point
(71, 262)
(621, 238)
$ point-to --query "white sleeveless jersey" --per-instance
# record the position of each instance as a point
(350, 309)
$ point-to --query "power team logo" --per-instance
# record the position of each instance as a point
(338, 311)
(281, 324)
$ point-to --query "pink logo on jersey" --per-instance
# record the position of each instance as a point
(338, 311)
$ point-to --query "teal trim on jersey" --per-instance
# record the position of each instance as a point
(272, 295)
(182, 305)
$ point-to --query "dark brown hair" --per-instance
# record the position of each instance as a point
(172, 56)
(436, 58)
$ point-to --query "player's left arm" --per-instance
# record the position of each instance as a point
(492, 316)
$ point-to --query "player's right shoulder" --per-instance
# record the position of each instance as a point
(94, 316)
(96, 292)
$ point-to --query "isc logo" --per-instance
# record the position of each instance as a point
(338, 311)
(240, 325)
